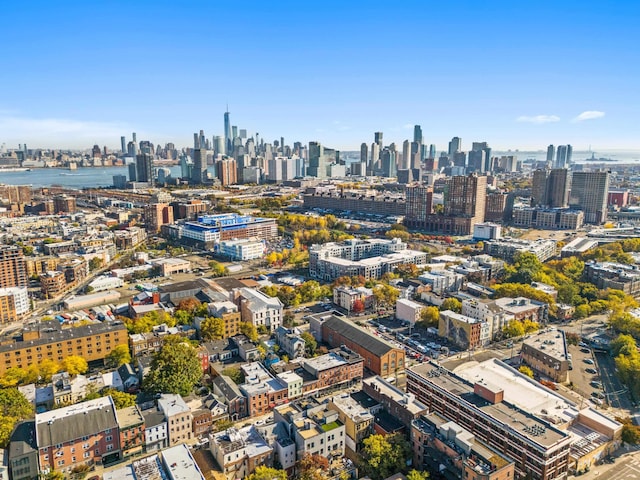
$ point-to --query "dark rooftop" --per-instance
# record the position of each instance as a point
(358, 335)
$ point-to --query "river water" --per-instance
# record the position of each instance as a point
(80, 178)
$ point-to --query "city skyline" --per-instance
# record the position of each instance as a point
(516, 77)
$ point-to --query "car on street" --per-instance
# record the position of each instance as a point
(595, 384)
(588, 361)
(592, 371)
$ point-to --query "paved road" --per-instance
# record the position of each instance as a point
(627, 468)
(617, 394)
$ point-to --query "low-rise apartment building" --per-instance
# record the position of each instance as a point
(239, 451)
(48, 340)
(465, 332)
(83, 434)
(547, 354)
(178, 416)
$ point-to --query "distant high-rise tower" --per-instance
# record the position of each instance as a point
(557, 191)
(199, 172)
(375, 156)
(320, 159)
(134, 139)
(465, 196)
(377, 137)
(133, 175)
(417, 134)
(144, 168)
(589, 192)
(419, 204)
(432, 151)
(389, 165)
(227, 133)
(551, 153)
(479, 158)
(563, 156)
(455, 145)
(406, 155)
(364, 153)
(123, 145)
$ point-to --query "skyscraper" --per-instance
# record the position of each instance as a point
(589, 192)
(123, 145)
(564, 154)
(551, 153)
(465, 196)
(377, 137)
(539, 187)
(133, 175)
(375, 156)
(432, 151)
(199, 172)
(320, 159)
(144, 168)
(419, 205)
(455, 145)
(406, 155)
(227, 171)
(417, 134)
(557, 191)
(364, 153)
(479, 158)
(389, 165)
(227, 133)
(134, 139)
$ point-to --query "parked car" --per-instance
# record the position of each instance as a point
(588, 361)
(592, 371)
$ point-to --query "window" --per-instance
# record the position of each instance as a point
(109, 438)
(86, 454)
(109, 447)
(60, 463)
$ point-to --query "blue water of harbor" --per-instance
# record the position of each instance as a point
(82, 177)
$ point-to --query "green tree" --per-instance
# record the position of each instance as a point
(452, 304)
(212, 328)
(118, 356)
(174, 369)
(235, 374)
(46, 368)
(95, 263)
(417, 475)
(222, 425)
(74, 365)
(623, 344)
(526, 371)
(383, 456)
(250, 330)
(310, 343)
(572, 338)
(267, 473)
(513, 329)
(430, 316)
(53, 475)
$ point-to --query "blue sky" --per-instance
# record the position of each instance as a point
(514, 74)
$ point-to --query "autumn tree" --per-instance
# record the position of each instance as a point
(417, 475)
(267, 473)
(212, 328)
(74, 365)
(358, 306)
(174, 369)
(13, 407)
(526, 371)
(382, 456)
(430, 316)
(452, 304)
(513, 329)
(313, 467)
(250, 330)
(218, 269)
(310, 343)
(118, 356)
(385, 295)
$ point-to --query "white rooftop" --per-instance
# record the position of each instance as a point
(519, 389)
(179, 463)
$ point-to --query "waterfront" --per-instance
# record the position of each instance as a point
(79, 178)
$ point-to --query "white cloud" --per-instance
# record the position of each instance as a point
(538, 119)
(588, 115)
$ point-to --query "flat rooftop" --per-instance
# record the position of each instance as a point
(325, 362)
(179, 463)
(512, 415)
(551, 343)
(519, 390)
